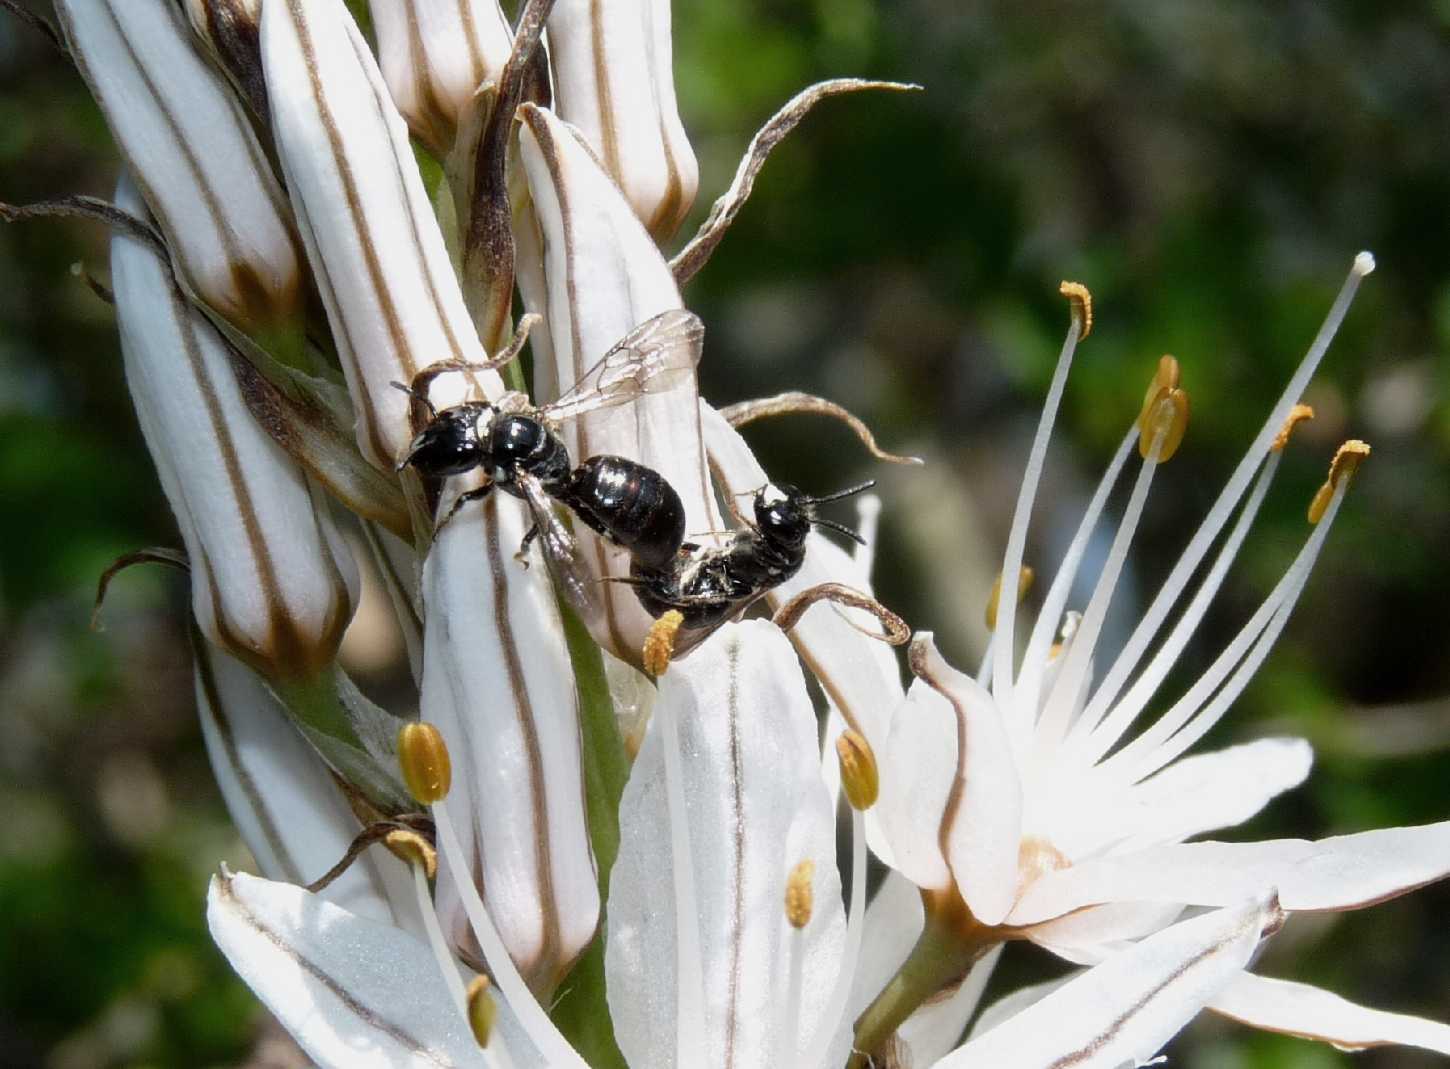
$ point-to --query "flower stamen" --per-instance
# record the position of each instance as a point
(799, 904)
(659, 644)
(1297, 415)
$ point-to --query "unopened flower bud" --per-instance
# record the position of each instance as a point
(193, 154)
(613, 80)
(434, 55)
(273, 582)
(230, 30)
(423, 755)
(383, 271)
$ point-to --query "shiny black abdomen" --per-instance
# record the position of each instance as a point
(522, 443)
(629, 504)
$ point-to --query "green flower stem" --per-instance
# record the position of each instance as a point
(582, 1013)
(950, 943)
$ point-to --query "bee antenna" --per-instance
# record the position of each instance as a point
(842, 528)
(416, 395)
(868, 484)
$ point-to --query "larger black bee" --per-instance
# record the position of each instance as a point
(518, 447)
(710, 585)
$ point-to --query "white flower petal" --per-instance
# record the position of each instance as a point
(756, 807)
(193, 153)
(273, 582)
(392, 298)
(1209, 791)
(1087, 936)
(918, 767)
(498, 682)
(613, 81)
(981, 824)
(434, 55)
(1311, 1012)
(354, 993)
(595, 277)
(1125, 1009)
(1344, 872)
(281, 796)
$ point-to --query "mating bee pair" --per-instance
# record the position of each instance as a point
(628, 504)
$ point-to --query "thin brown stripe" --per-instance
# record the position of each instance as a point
(1106, 1036)
(954, 796)
(288, 650)
(607, 134)
(206, 675)
(470, 38)
(368, 1016)
(382, 102)
(371, 259)
(544, 137)
(347, 350)
(737, 829)
(551, 937)
(225, 233)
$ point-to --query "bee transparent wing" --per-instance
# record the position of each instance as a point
(560, 549)
(659, 353)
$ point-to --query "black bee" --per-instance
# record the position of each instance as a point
(518, 447)
(710, 585)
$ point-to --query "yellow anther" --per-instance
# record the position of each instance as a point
(1082, 306)
(412, 849)
(423, 755)
(482, 1010)
(1297, 415)
(1346, 462)
(1025, 575)
(860, 777)
(1166, 374)
(799, 896)
(659, 644)
(1166, 416)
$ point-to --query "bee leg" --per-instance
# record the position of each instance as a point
(477, 494)
(522, 556)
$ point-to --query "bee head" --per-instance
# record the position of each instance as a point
(449, 445)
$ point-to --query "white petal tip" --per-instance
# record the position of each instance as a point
(1364, 263)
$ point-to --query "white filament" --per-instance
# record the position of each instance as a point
(1004, 639)
(689, 969)
(855, 923)
(1034, 664)
(1095, 741)
(1189, 718)
(788, 1025)
(1238, 482)
(1068, 689)
(516, 995)
(446, 965)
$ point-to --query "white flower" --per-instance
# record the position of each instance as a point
(685, 909)
(1004, 799)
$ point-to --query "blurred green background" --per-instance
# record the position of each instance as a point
(1208, 169)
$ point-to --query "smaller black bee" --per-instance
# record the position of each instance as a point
(710, 585)
(518, 447)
